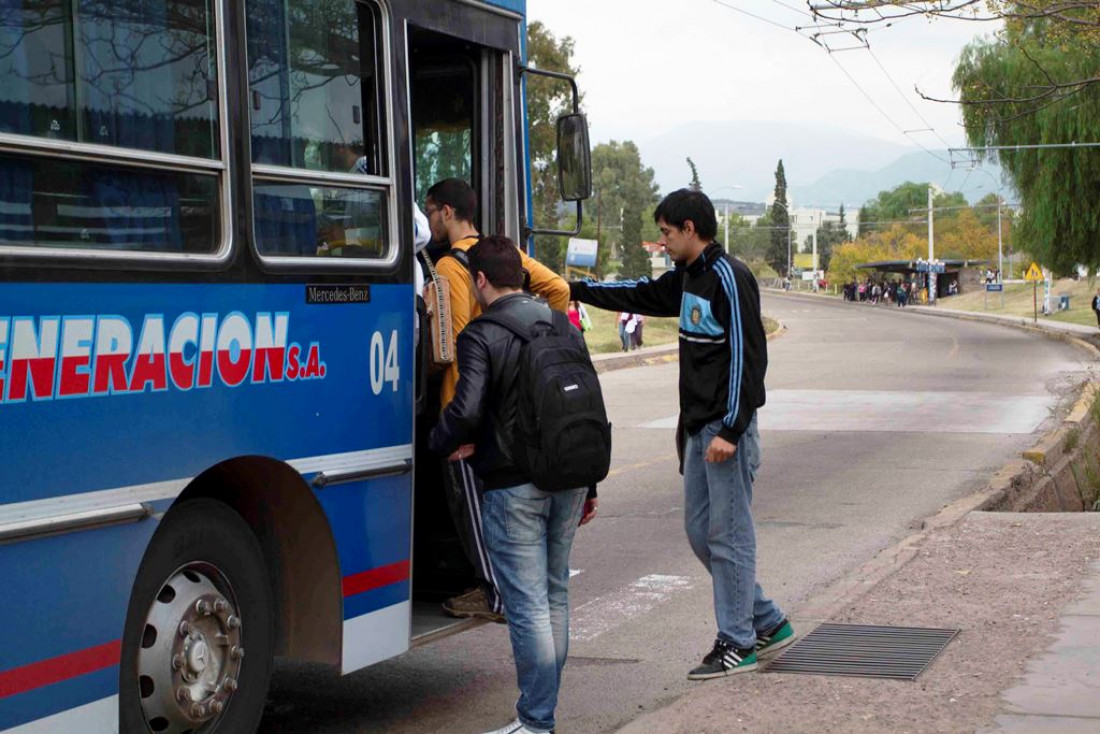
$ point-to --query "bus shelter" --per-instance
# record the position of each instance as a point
(949, 276)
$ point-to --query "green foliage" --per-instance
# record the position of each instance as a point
(829, 236)
(620, 183)
(1024, 87)
(547, 99)
(696, 184)
(778, 253)
(636, 262)
(903, 204)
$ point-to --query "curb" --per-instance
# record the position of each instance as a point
(647, 356)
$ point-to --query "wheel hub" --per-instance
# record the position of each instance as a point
(191, 652)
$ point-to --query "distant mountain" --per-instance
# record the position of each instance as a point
(824, 165)
(745, 153)
(854, 187)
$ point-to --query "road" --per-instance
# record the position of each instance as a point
(875, 419)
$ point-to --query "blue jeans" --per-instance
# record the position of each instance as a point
(529, 533)
(718, 519)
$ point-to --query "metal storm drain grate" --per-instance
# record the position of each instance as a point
(865, 651)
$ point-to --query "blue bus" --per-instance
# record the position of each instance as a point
(208, 372)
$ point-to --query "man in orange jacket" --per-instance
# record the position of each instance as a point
(451, 206)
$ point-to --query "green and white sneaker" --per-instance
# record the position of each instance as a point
(775, 639)
(724, 659)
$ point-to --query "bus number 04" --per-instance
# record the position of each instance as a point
(383, 363)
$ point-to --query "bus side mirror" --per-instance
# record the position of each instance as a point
(574, 158)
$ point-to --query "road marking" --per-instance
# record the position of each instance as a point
(643, 464)
(590, 620)
(869, 411)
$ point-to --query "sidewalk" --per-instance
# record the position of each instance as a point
(1023, 588)
(1020, 587)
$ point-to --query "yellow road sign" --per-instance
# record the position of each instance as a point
(1034, 273)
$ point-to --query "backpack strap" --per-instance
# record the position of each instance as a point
(521, 329)
(459, 255)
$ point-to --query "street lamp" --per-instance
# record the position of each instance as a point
(732, 187)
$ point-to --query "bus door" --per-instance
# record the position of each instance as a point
(462, 109)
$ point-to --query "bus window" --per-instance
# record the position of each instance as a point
(83, 71)
(314, 96)
(299, 220)
(313, 83)
(142, 77)
(64, 203)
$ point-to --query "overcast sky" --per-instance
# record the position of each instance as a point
(649, 66)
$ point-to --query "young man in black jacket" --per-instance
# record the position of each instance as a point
(528, 532)
(723, 358)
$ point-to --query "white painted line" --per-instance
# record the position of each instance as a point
(884, 411)
(589, 621)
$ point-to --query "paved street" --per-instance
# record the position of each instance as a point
(875, 419)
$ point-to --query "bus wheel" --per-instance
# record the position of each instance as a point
(202, 598)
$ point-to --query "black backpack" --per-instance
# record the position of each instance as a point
(563, 439)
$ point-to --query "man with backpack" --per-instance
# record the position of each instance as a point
(723, 358)
(451, 206)
(529, 400)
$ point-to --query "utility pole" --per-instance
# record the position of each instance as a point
(726, 241)
(1000, 251)
(931, 251)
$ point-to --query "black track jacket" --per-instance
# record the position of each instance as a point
(723, 348)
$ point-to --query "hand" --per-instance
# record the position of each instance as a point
(465, 451)
(720, 450)
(590, 507)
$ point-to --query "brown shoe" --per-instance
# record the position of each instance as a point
(472, 605)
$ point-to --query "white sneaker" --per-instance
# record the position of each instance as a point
(517, 727)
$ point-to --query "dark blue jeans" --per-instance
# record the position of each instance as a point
(529, 534)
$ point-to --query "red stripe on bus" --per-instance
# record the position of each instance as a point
(376, 578)
(55, 670)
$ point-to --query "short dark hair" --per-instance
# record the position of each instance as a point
(497, 257)
(680, 206)
(457, 194)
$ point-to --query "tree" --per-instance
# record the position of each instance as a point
(895, 243)
(621, 183)
(547, 99)
(778, 251)
(1059, 187)
(1073, 26)
(636, 262)
(829, 236)
(696, 184)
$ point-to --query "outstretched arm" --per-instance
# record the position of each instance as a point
(659, 297)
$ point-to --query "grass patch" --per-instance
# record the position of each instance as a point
(1073, 437)
(1018, 300)
(603, 337)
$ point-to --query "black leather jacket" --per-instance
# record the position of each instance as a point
(484, 407)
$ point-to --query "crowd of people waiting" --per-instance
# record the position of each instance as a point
(876, 292)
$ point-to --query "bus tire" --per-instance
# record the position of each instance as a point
(202, 599)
